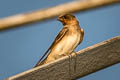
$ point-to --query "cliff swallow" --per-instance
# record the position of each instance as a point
(66, 41)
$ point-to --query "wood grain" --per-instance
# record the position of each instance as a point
(48, 13)
(87, 61)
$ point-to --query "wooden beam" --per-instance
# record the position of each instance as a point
(87, 61)
(40, 15)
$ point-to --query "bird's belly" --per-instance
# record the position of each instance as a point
(66, 45)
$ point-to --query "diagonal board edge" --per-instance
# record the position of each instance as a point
(86, 61)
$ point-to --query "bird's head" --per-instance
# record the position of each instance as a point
(67, 19)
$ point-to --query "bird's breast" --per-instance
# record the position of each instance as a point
(66, 45)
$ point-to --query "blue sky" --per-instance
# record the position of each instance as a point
(21, 48)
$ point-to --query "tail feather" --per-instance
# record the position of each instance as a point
(40, 63)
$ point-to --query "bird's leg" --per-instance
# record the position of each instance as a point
(75, 61)
(70, 58)
(69, 65)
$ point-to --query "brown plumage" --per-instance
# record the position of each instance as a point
(66, 41)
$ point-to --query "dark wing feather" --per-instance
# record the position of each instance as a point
(57, 39)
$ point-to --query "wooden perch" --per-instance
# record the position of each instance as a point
(88, 60)
(77, 6)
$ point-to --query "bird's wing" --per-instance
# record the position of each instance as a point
(59, 36)
(57, 39)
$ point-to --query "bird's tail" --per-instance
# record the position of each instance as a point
(40, 63)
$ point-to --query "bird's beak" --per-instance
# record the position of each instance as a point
(59, 19)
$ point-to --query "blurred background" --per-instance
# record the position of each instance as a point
(21, 48)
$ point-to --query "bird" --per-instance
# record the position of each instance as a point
(66, 41)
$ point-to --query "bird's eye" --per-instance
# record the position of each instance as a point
(65, 17)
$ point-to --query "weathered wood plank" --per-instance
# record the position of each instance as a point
(88, 60)
(40, 15)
